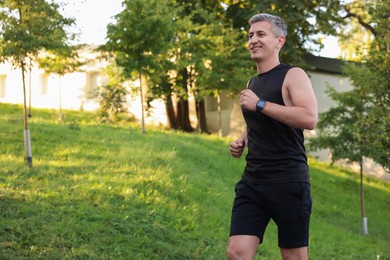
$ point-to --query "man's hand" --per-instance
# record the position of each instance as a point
(237, 147)
(249, 99)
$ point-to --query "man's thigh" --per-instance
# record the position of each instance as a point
(248, 216)
(292, 207)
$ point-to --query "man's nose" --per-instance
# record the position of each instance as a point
(250, 42)
(253, 39)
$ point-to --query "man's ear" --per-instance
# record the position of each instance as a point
(281, 41)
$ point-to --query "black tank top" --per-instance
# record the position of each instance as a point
(276, 151)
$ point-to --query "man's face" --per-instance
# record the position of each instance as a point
(262, 42)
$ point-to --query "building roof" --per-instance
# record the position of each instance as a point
(323, 64)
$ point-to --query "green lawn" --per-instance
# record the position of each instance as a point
(110, 192)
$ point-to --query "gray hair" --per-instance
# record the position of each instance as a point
(278, 26)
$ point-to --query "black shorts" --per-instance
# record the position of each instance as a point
(287, 204)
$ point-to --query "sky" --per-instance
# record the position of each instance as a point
(93, 16)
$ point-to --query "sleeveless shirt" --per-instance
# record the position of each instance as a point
(276, 151)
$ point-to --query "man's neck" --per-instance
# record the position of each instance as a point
(263, 67)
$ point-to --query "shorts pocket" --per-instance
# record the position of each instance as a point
(301, 193)
(306, 200)
(237, 186)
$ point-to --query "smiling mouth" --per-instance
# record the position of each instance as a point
(256, 48)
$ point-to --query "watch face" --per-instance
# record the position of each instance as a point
(260, 105)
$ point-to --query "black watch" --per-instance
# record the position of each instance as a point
(260, 105)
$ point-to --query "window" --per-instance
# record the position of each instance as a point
(3, 79)
(212, 102)
(44, 79)
(91, 84)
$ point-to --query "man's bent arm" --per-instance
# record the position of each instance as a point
(300, 110)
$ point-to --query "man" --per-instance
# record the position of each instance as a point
(277, 105)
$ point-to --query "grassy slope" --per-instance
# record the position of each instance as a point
(99, 191)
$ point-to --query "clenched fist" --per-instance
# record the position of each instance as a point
(248, 99)
(237, 147)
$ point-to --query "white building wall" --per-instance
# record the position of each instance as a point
(320, 81)
(13, 91)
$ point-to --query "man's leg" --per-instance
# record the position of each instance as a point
(242, 247)
(293, 220)
(299, 253)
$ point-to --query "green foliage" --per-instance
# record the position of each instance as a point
(104, 192)
(223, 64)
(359, 125)
(111, 96)
(339, 129)
(372, 87)
(61, 61)
(30, 26)
(353, 36)
(142, 30)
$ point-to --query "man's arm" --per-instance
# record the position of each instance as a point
(300, 110)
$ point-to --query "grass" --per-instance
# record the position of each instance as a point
(110, 192)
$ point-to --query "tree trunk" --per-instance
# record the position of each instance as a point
(183, 111)
(172, 121)
(219, 114)
(364, 219)
(183, 115)
(142, 103)
(27, 139)
(30, 92)
(201, 114)
(60, 116)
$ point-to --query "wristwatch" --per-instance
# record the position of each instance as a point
(260, 105)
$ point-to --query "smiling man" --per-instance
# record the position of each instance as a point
(278, 104)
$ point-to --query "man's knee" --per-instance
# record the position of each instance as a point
(242, 247)
(294, 253)
(234, 252)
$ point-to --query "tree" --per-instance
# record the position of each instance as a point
(60, 62)
(206, 22)
(111, 95)
(359, 125)
(142, 31)
(226, 65)
(27, 27)
(373, 76)
(355, 31)
(205, 54)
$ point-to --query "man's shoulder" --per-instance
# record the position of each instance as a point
(296, 71)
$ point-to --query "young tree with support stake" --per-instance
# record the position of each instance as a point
(26, 28)
(340, 130)
(60, 62)
(142, 31)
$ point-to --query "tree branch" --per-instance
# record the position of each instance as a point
(360, 20)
